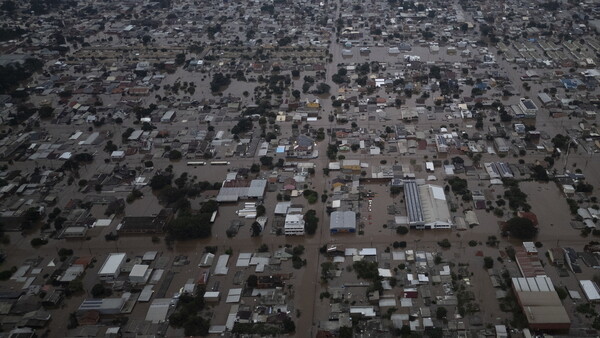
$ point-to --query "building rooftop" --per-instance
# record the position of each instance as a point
(342, 220)
(112, 264)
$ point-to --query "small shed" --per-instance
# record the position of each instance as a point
(212, 296)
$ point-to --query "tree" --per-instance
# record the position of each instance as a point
(296, 94)
(441, 312)
(540, 174)
(255, 229)
(260, 210)
(404, 331)
(434, 332)
(366, 270)
(311, 222)
(46, 112)
(209, 207)
(244, 125)
(311, 196)
(127, 133)
(562, 293)
(445, 243)
(110, 147)
(65, 252)
(12, 75)
(159, 181)
(521, 228)
(435, 72)
(288, 325)
(346, 332)
(83, 158)
(584, 187)
(267, 161)
(147, 126)
(401, 230)
(99, 291)
(8, 6)
(322, 88)
(218, 81)
(190, 226)
(488, 262)
(32, 215)
(37, 242)
(252, 281)
(187, 314)
(175, 155)
(562, 142)
(254, 168)
(180, 59)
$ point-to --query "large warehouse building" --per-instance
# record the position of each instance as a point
(540, 303)
(426, 206)
(342, 221)
(236, 189)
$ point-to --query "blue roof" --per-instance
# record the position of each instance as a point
(570, 83)
(481, 85)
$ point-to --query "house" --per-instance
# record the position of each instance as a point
(169, 116)
(441, 144)
(117, 155)
(140, 273)
(501, 145)
(302, 147)
(545, 99)
(556, 256)
(75, 232)
(351, 166)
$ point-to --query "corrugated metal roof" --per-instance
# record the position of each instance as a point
(590, 289)
(342, 220)
(146, 293)
(413, 203)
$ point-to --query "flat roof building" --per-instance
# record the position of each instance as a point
(528, 106)
(294, 225)
(157, 313)
(112, 266)
(591, 290)
(540, 303)
(105, 306)
(342, 221)
(168, 116)
(140, 273)
(74, 232)
(117, 155)
(234, 190)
